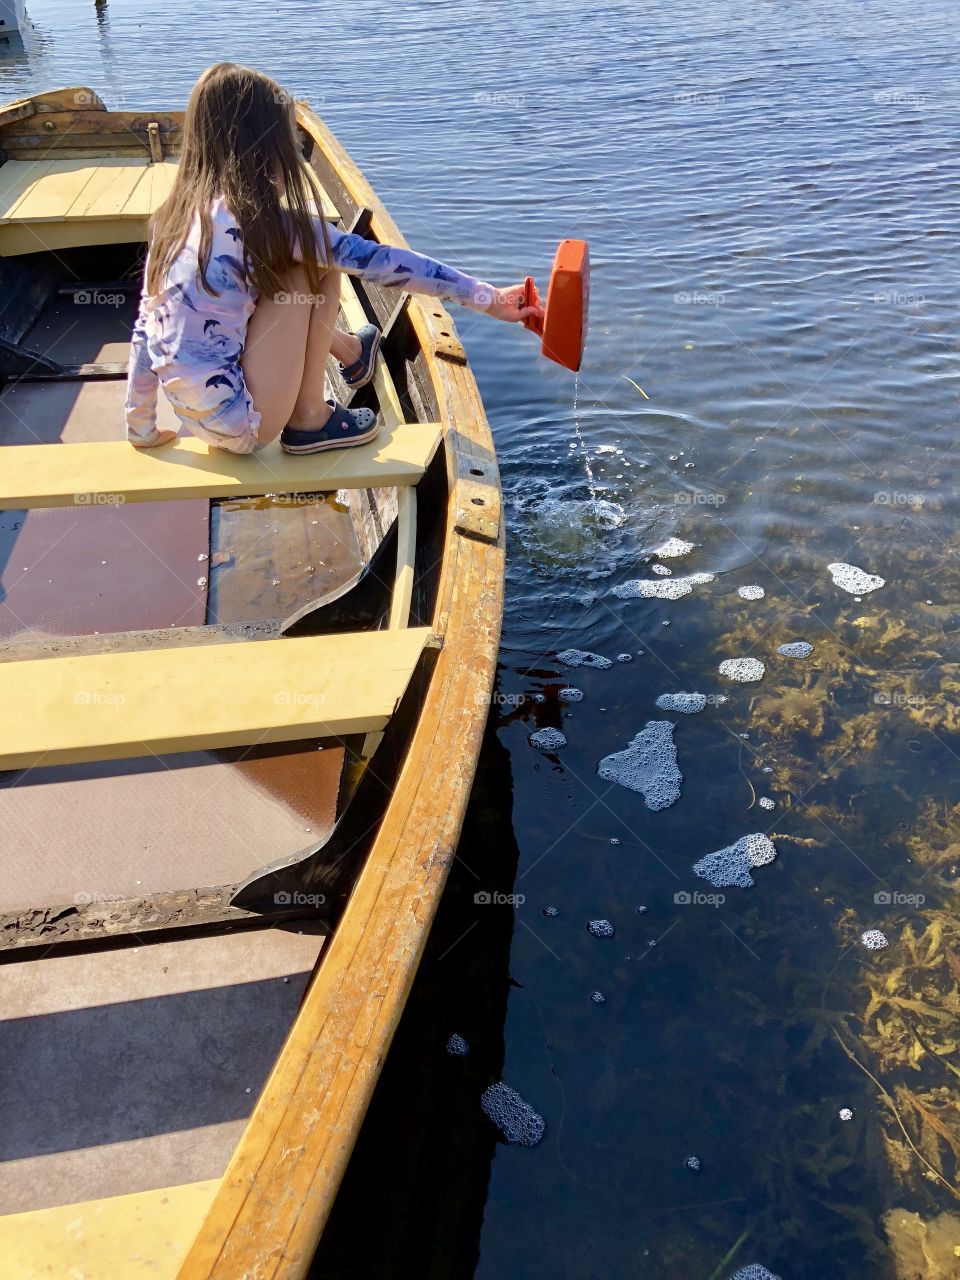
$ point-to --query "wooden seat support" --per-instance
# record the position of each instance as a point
(114, 705)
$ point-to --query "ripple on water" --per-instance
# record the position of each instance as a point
(559, 528)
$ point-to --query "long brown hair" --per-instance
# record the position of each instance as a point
(240, 143)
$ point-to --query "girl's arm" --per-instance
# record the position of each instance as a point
(392, 267)
(141, 402)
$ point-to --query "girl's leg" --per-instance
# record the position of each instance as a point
(286, 352)
(345, 347)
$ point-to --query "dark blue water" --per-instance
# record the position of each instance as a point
(771, 193)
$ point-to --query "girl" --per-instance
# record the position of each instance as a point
(241, 287)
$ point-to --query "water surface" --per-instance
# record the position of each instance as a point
(771, 193)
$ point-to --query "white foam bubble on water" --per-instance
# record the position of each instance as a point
(570, 695)
(672, 548)
(457, 1047)
(688, 704)
(796, 649)
(662, 570)
(624, 657)
(604, 449)
(751, 593)
(662, 589)
(648, 765)
(874, 940)
(845, 1113)
(583, 658)
(754, 1271)
(598, 997)
(857, 581)
(766, 803)
(730, 867)
(743, 670)
(600, 928)
(547, 740)
(516, 1119)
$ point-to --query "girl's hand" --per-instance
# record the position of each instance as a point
(508, 304)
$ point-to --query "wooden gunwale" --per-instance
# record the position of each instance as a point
(278, 1190)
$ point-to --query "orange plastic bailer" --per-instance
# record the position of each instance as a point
(563, 330)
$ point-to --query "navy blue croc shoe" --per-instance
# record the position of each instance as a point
(360, 372)
(343, 429)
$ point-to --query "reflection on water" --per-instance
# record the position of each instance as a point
(771, 197)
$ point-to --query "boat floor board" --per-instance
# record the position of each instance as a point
(135, 1068)
(128, 829)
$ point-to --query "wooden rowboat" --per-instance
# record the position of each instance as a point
(209, 925)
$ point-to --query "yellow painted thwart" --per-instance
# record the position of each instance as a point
(130, 1237)
(113, 471)
(110, 706)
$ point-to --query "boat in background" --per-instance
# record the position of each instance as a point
(13, 16)
(242, 703)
